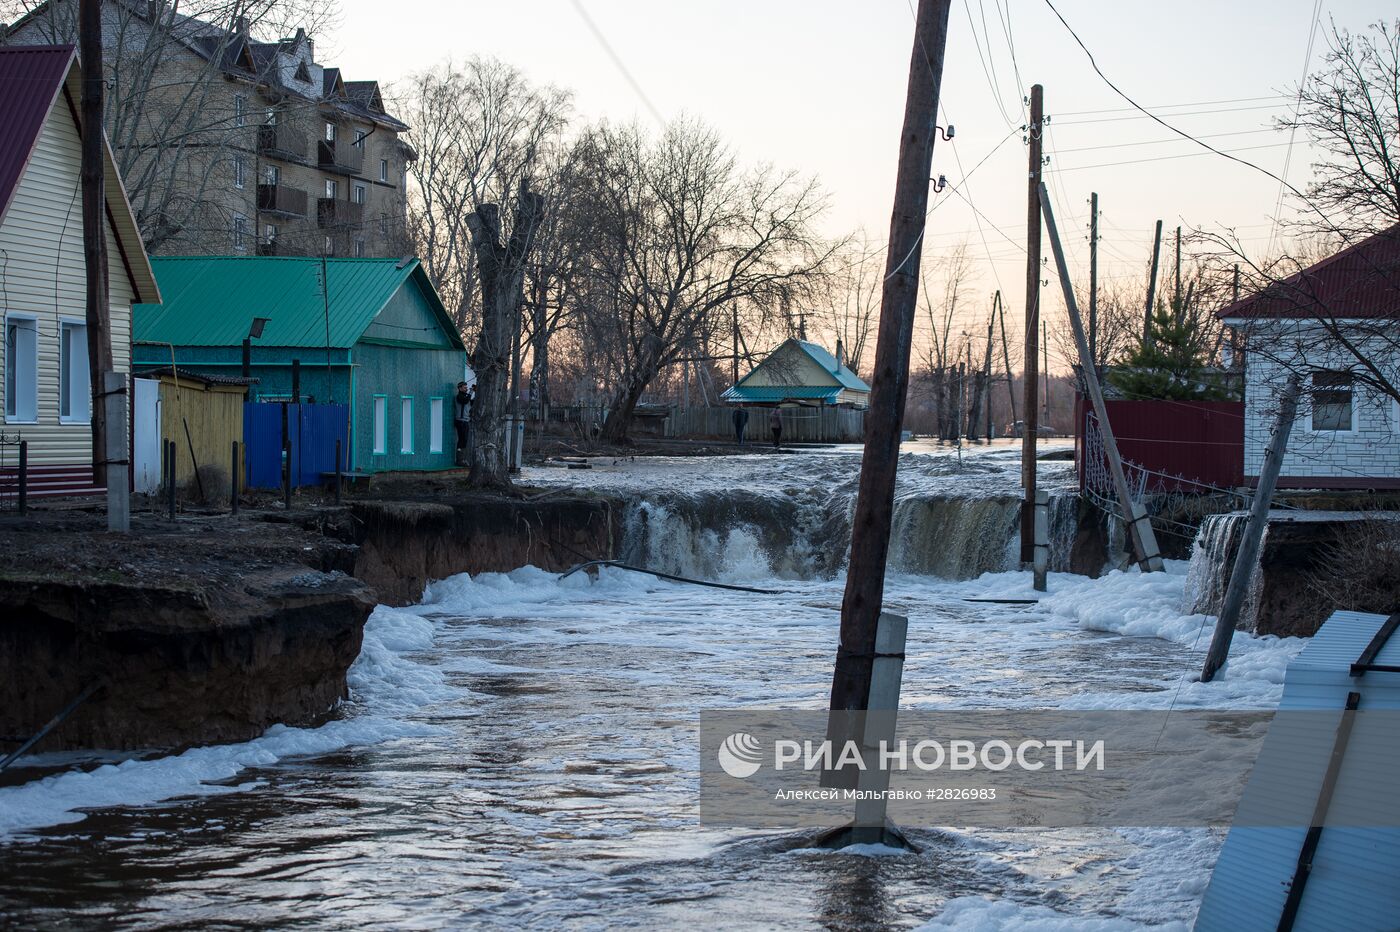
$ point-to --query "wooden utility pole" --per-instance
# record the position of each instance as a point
(1176, 288)
(1144, 541)
(1248, 554)
(734, 311)
(870, 526)
(1006, 357)
(1030, 426)
(98, 314)
(983, 390)
(1094, 279)
(1152, 285)
(1045, 367)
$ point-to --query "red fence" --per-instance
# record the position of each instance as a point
(1193, 440)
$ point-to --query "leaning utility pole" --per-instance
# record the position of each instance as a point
(108, 391)
(1152, 285)
(1006, 357)
(1030, 426)
(1094, 279)
(870, 526)
(982, 390)
(1248, 553)
(1140, 534)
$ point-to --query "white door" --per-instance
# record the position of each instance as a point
(145, 445)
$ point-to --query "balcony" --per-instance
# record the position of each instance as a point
(269, 249)
(282, 142)
(340, 156)
(331, 212)
(280, 199)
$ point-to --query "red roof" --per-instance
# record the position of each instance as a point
(31, 77)
(1361, 281)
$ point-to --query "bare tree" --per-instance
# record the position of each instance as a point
(1350, 111)
(846, 304)
(479, 129)
(684, 235)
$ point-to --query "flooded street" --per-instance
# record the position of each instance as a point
(521, 751)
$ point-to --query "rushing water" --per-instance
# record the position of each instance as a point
(521, 751)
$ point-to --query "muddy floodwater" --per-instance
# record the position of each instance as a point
(521, 751)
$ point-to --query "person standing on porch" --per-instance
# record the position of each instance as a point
(462, 420)
(741, 420)
(775, 424)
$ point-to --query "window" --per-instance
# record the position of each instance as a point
(270, 233)
(240, 231)
(240, 110)
(435, 425)
(74, 381)
(303, 73)
(406, 424)
(270, 116)
(332, 189)
(21, 369)
(1331, 400)
(329, 248)
(330, 132)
(383, 169)
(358, 193)
(381, 424)
(240, 171)
(360, 139)
(359, 249)
(272, 175)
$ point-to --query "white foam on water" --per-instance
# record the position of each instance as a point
(383, 681)
(983, 914)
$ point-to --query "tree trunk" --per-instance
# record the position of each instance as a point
(620, 411)
(501, 270)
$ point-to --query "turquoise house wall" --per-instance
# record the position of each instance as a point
(396, 373)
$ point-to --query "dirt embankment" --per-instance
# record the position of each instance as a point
(211, 628)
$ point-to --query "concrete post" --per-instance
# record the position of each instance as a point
(117, 455)
(1041, 564)
(882, 712)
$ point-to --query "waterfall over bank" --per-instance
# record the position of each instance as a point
(1212, 558)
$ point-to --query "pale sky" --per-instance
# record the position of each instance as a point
(819, 87)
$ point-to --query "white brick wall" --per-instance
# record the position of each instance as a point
(1370, 450)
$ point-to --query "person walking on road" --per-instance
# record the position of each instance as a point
(741, 420)
(775, 424)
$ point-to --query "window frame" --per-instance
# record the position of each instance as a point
(406, 418)
(379, 425)
(332, 189)
(1345, 386)
(67, 325)
(436, 411)
(12, 393)
(360, 137)
(359, 193)
(240, 172)
(240, 232)
(384, 170)
(240, 110)
(331, 132)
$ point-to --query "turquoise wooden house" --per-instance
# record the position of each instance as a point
(374, 337)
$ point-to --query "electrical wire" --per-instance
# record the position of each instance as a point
(1297, 110)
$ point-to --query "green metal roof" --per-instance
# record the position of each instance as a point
(840, 371)
(770, 393)
(212, 300)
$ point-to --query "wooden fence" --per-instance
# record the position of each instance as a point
(812, 425)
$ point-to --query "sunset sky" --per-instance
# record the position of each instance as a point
(819, 87)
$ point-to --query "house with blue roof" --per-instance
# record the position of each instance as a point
(371, 334)
(803, 373)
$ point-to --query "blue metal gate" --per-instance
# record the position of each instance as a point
(311, 432)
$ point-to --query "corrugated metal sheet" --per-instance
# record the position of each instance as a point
(1361, 281)
(30, 79)
(1352, 884)
(771, 393)
(828, 362)
(211, 301)
(1196, 440)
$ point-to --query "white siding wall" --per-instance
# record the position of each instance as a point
(42, 273)
(1371, 450)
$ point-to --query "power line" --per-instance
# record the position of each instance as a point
(1158, 142)
(1185, 155)
(1297, 110)
(1195, 103)
(1152, 116)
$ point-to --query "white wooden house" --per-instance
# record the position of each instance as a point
(1336, 326)
(44, 386)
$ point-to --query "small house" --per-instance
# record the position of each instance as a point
(1336, 326)
(368, 334)
(802, 373)
(201, 414)
(45, 381)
